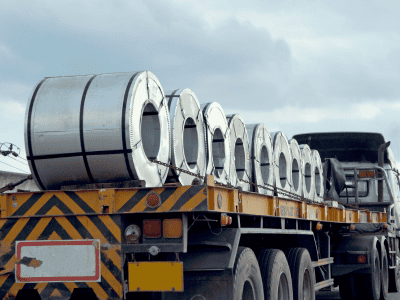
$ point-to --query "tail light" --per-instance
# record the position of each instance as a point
(226, 220)
(366, 173)
(132, 234)
(152, 228)
(172, 228)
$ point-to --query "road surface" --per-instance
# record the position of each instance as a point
(335, 295)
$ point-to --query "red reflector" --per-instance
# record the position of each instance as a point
(152, 228)
(153, 200)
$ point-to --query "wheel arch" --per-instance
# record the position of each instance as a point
(355, 245)
(281, 241)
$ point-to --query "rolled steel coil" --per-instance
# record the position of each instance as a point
(307, 166)
(188, 131)
(297, 174)
(218, 142)
(261, 157)
(319, 178)
(282, 161)
(240, 152)
(96, 129)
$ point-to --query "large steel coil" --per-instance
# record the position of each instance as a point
(97, 128)
(188, 131)
(307, 166)
(282, 161)
(218, 142)
(240, 152)
(297, 172)
(261, 157)
(318, 175)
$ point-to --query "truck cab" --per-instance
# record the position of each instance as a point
(357, 152)
(372, 182)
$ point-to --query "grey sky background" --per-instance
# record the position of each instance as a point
(297, 66)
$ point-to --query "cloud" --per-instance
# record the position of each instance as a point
(278, 61)
(14, 92)
(11, 110)
(366, 111)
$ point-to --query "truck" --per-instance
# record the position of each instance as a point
(123, 240)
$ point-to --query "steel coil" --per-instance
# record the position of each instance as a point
(297, 173)
(318, 176)
(218, 142)
(282, 161)
(188, 131)
(97, 128)
(261, 157)
(240, 152)
(308, 171)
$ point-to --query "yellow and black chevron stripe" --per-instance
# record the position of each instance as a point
(173, 199)
(107, 228)
(69, 203)
(53, 203)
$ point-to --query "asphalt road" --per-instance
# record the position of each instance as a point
(335, 296)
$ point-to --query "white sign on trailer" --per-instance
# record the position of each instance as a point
(58, 261)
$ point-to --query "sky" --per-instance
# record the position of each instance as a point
(296, 66)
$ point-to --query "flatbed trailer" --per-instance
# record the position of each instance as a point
(203, 241)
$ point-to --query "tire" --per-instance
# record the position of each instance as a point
(369, 285)
(394, 274)
(275, 273)
(384, 275)
(394, 280)
(247, 283)
(302, 273)
(363, 286)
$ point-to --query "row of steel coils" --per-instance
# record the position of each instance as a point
(107, 127)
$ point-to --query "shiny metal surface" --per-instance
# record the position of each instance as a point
(282, 161)
(188, 140)
(218, 142)
(261, 157)
(297, 172)
(319, 178)
(88, 129)
(309, 175)
(240, 152)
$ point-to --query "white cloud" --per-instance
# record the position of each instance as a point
(365, 111)
(11, 110)
(5, 51)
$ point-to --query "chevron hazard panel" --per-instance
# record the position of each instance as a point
(105, 228)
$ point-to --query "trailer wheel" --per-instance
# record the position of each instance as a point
(247, 277)
(369, 285)
(394, 279)
(302, 273)
(363, 286)
(384, 275)
(275, 274)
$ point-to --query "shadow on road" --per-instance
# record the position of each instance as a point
(335, 295)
